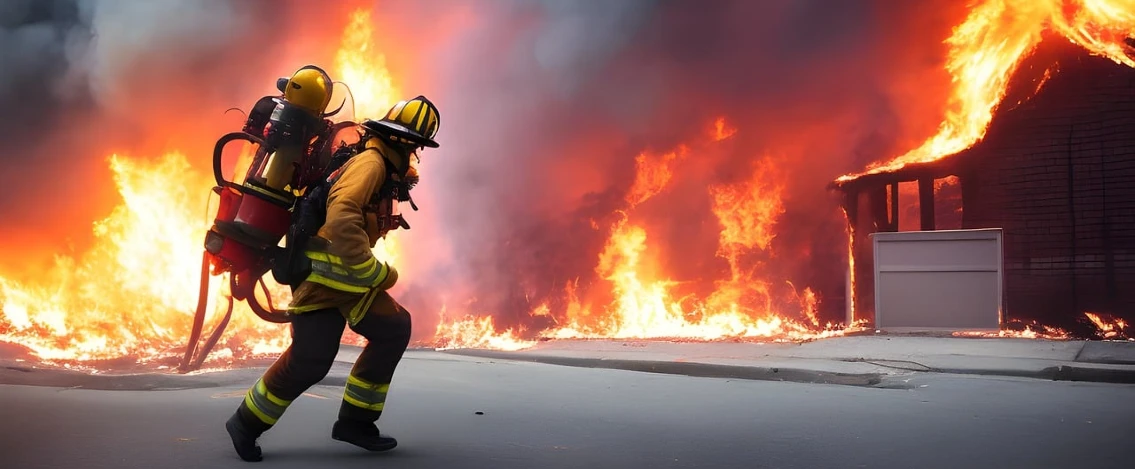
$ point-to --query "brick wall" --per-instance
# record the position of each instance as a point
(1058, 174)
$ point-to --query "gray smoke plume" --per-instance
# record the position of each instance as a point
(80, 77)
(66, 55)
(545, 105)
(37, 40)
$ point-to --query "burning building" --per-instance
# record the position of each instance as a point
(1055, 170)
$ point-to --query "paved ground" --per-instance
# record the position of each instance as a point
(537, 415)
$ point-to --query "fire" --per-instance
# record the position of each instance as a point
(1017, 329)
(361, 65)
(654, 173)
(986, 49)
(477, 332)
(646, 307)
(984, 52)
(1108, 327)
(131, 295)
(645, 302)
(722, 130)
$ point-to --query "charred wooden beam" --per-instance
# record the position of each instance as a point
(877, 200)
(912, 172)
(926, 203)
(851, 207)
(970, 200)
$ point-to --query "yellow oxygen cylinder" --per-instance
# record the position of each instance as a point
(281, 166)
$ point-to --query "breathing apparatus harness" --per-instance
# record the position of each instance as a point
(292, 140)
(291, 266)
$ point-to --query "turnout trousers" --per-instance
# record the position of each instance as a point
(315, 343)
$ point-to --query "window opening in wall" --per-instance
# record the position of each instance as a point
(910, 215)
(948, 203)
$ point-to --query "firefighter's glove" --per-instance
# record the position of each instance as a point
(389, 280)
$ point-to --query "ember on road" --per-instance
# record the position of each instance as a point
(455, 411)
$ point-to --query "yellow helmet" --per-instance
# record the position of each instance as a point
(309, 88)
(413, 122)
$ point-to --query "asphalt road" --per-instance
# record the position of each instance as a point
(548, 416)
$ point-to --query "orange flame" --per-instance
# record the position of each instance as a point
(647, 304)
(477, 332)
(1027, 333)
(107, 303)
(654, 173)
(1108, 327)
(722, 130)
(132, 293)
(986, 49)
(362, 66)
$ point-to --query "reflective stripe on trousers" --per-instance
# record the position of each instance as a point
(265, 405)
(365, 394)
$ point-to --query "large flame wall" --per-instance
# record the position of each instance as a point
(607, 169)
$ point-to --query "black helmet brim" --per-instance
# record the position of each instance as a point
(383, 127)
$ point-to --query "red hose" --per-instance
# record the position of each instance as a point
(199, 316)
(214, 337)
(243, 288)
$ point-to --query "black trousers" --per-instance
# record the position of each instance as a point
(315, 343)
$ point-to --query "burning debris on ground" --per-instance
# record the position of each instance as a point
(610, 170)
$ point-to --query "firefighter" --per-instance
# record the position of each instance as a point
(347, 286)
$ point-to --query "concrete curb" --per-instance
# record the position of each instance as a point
(1094, 375)
(55, 378)
(68, 379)
(1054, 373)
(700, 370)
(709, 370)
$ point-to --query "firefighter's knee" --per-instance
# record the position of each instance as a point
(405, 322)
(311, 361)
(394, 327)
(400, 326)
(308, 371)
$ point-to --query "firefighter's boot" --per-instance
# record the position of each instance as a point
(356, 426)
(244, 430)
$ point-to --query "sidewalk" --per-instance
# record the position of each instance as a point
(857, 360)
(866, 360)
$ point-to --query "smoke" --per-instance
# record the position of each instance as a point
(80, 79)
(64, 56)
(546, 104)
(36, 43)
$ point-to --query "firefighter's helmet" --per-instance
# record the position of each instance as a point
(411, 123)
(309, 88)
